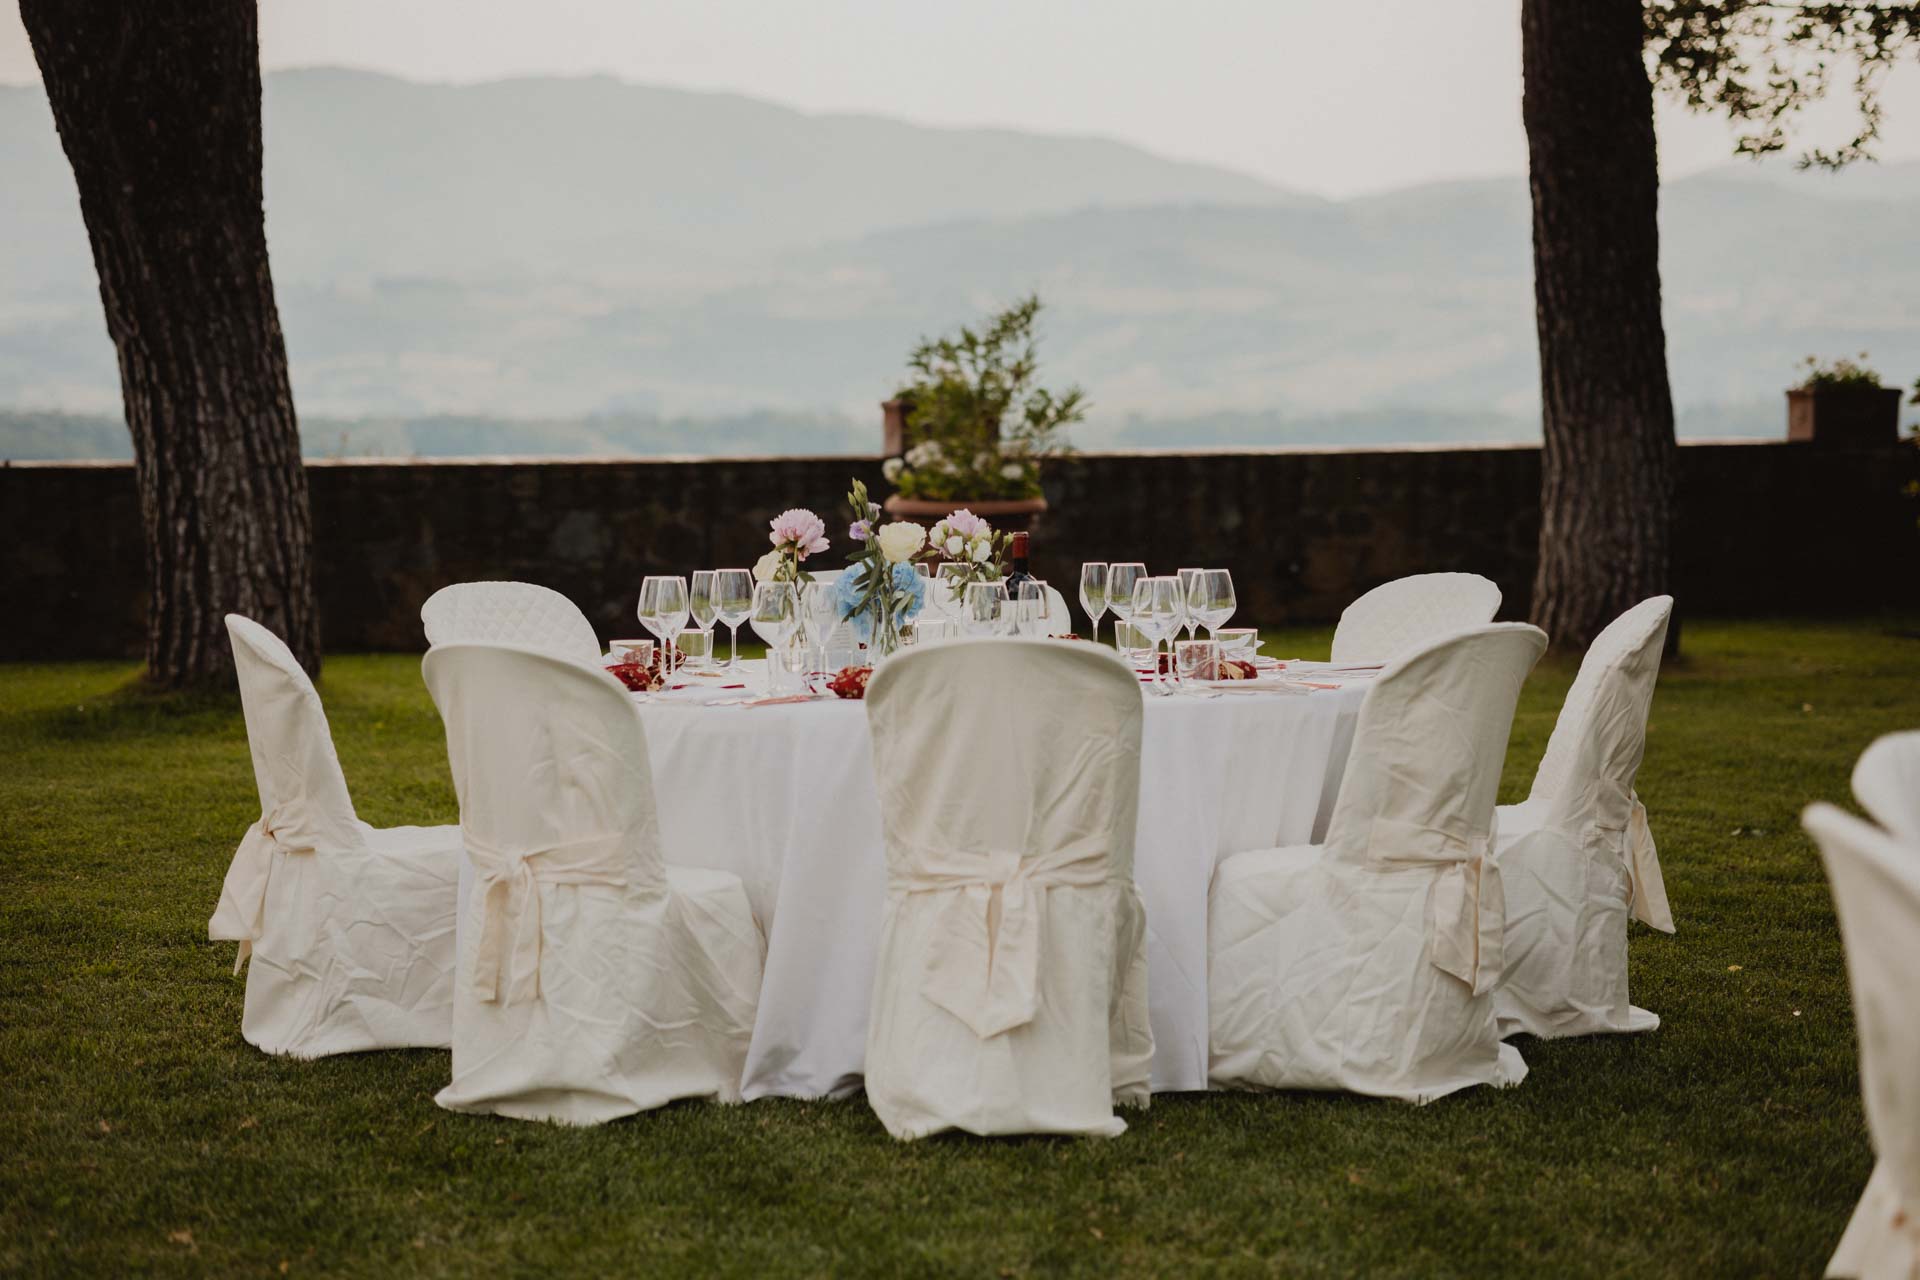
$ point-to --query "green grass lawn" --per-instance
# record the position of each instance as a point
(139, 1133)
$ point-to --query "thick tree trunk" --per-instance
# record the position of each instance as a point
(1607, 412)
(158, 107)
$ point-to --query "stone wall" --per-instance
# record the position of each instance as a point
(1764, 528)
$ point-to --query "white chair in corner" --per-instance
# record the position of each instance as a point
(1399, 616)
(1886, 782)
(350, 927)
(516, 613)
(1578, 858)
(1011, 992)
(1876, 893)
(594, 980)
(1368, 964)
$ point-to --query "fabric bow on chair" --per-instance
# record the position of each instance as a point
(1467, 905)
(985, 960)
(508, 885)
(242, 910)
(1643, 862)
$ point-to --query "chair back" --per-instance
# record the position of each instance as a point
(1424, 770)
(511, 613)
(1399, 616)
(1886, 782)
(1588, 770)
(1876, 893)
(304, 802)
(986, 746)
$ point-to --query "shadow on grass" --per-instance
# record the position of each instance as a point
(136, 708)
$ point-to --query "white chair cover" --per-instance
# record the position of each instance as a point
(594, 980)
(1876, 893)
(515, 613)
(1578, 857)
(1397, 617)
(351, 928)
(1886, 782)
(1011, 994)
(1369, 964)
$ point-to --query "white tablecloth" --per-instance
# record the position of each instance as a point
(783, 796)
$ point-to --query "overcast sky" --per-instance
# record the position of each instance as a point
(1392, 93)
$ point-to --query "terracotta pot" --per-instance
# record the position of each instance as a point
(1849, 417)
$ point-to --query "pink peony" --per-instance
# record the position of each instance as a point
(800, 530)
(965, 523)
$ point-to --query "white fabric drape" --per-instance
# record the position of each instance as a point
(1399, 616)
(350, 929)
(515, 613)
(1876, 894)
(594, 981)
(1368, 965)
(1578, 857)
(1011, 989)
(1886, 782)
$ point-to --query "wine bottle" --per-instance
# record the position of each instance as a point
(1017, 571)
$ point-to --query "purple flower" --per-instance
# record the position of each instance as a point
(861, 530)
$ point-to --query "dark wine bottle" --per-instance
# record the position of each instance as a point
(1017, 571)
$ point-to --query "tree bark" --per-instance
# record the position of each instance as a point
(158, 108)
(1606, 408)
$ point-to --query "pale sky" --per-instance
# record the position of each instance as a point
(1393, 92)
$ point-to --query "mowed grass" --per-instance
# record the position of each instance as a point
(140, 1134)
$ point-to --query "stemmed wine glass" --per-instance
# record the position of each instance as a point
(775, 613)
(820, 611)
(1093, 593)
(1187, 620)
(1157, 614)
(948, 589)
(670, 605)
(702, 605)
(985, 611)
(1210, 600)
(648, 610)
(1121, 580)
(732, 602)
(1033, 612)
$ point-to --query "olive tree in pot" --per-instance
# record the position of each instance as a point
(1843, 404)
(974, 427)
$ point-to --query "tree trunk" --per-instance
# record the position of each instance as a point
(158, 107)
(1607, 412)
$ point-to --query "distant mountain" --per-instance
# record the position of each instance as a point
(613, 266)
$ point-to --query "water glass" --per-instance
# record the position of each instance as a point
(930, 630)
(1157, 614)
(732, 603)
(985, 609)
(640, 651)
(1093, 593)
(1197, 660)
(1241, 643)
(702, 605)
(947, 591)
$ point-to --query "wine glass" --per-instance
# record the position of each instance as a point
(1157, 614)
(1033, 611)
(1210, 600)
(701, 604)
(670, 601)
(820, 610)
(648, 610)
(775, 613)
(949, 588)
(1187, 577)
(1093, 593)
(1121, 579)
(732, 602)
(984, 611)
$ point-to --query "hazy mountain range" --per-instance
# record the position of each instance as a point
(580, 265)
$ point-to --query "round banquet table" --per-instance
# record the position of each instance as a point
(784, 797)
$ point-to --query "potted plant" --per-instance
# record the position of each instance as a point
(972, 427)
(1844, 404)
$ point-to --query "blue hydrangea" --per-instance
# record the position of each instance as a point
(852, 585)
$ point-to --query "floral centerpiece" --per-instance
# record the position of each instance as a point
(963, 538)
(880, 591)
(795, 534)
(981, 425)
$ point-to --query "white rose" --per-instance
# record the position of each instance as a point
(899, 540)
(955, 544)
(980, 551)
(768, 564)
(1013, 471)
(891, 469)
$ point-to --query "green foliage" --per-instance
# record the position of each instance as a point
(1840, 373)
(980, 424)
(1762, 64)
(140, 1135)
